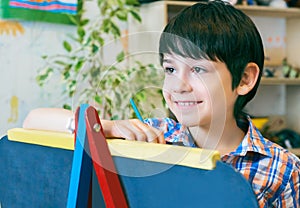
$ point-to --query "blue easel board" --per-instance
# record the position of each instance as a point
(38, 176)
(33, 175)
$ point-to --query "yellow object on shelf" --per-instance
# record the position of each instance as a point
(260, 122)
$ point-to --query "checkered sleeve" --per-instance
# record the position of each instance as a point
(290, 196)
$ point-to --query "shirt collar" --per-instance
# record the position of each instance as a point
(253, 142)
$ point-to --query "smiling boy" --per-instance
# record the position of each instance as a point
(213, 56)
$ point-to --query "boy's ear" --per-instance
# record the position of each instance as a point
(249, 79)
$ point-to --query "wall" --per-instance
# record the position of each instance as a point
(21, 46)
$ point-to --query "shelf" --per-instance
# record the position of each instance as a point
(280, 81)
(265, 11)
(296, 151)
(270, 11)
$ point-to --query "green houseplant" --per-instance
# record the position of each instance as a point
(84, 72)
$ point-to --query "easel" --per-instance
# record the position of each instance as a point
(87, 121)
(176, 186)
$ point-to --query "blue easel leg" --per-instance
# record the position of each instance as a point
(80, 179)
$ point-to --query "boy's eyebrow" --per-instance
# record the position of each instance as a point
(166, 60)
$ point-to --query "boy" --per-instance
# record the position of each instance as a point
(212, 55)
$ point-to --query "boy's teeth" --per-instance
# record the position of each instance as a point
(186, 103)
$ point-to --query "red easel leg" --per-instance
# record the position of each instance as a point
(103, 163)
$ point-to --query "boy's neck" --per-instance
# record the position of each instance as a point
(224, 137)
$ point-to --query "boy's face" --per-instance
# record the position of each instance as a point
(198, 91)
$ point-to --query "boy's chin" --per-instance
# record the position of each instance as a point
(195, 122)
(188, 122)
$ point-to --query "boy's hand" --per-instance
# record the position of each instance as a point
(132, 129)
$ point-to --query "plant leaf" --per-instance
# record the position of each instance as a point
(95, 48)
(114, 117)
(115, 30)
(67, 107)
(132, 2)
(72, 87)
(41, 78)
(84, 22)
(81, 32)
(122, 15)
(98, 99)
(105, 27)
(108, 100)
(79, 65)
(59, 62)
(136, 15)
(67, 46)
(121, 56)
(66, 72)
(73, 19)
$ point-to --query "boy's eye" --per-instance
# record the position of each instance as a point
(198, 69)
(169, 70)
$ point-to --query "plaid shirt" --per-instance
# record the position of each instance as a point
(273, 172)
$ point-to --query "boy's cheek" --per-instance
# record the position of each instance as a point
(169, 87)
(166, 95)
(166, 90)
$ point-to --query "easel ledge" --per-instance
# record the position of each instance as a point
(168, 154)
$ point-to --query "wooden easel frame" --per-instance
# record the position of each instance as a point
(89, 137)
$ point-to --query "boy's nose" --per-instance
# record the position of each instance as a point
(182, 85)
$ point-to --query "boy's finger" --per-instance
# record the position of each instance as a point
(156, 136)
(153, 135)
(128, 131)
(161, 138)
(150, 135)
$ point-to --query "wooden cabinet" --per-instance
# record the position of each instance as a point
(280, 30)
